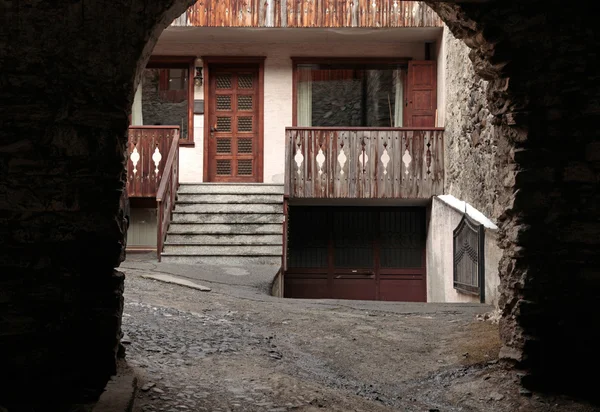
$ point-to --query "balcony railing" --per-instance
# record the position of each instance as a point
(364, 163)
(153, 171)
(309, 13)
(148, 149)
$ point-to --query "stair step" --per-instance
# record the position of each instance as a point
(221, 229)
(228, 198)
(240, 261)
(222, 250)
(227, 218)
(229, 239)
(228, 208)
(230, 188)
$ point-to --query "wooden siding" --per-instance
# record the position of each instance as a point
(309, 13)
(367, 163)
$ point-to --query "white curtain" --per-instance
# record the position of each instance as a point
(399, 100)
(137, 119)
(304, 103)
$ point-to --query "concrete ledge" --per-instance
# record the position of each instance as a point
(177, 281)
(120, 391)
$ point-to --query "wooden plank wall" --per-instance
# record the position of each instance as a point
(364, 163)
(309, 13)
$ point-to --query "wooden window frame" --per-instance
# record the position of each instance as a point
(335, 60)
(234, 61)
(180, 62)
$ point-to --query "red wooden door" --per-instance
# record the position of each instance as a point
(233, 133)
(421, 94)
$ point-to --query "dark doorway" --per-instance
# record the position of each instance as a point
(375, 253)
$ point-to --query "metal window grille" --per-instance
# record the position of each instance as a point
(469, 264)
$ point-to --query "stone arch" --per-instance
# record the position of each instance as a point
(543, 92)
(66, 84)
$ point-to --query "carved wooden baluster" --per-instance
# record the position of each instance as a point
(428, 155)
(406, 158)
(385, 157)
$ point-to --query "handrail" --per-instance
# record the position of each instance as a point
(166, 192)
(163, 181)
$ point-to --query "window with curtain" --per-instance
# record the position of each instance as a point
(349, 95)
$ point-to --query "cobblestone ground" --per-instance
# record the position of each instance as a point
(229, 351)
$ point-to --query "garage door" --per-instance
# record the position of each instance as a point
(369, 253)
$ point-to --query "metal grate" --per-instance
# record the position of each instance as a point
(223, 167)
(245, 81)
(244, 102)
(244, 146)
(469, 269)
(244, 124)
(224, 81)
(223, 146)
(402, 238)
(223, 102)
(244, 167)
(224, 124)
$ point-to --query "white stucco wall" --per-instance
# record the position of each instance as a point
(277, 90)
(443, 220)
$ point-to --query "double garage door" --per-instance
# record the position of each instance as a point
(368, 253)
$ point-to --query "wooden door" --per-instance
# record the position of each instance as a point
(368, 253)
(421, 94)
(234, 137)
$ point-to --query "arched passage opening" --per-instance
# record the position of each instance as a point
(67, 95)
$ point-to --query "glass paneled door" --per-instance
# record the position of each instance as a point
(233, 124)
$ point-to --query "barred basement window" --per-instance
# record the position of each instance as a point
(469, 268)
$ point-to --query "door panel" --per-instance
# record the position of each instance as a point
(374, 253)
(233, 119)
(421, 94)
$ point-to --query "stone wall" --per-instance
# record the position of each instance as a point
(67, 79)
(542, 91)
(476, 150)
(158, 111)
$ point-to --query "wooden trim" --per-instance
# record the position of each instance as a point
(296, 60)
(234, 61)
(367, 129)
(358, 60)
(180, 62)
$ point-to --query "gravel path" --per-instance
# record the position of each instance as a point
(237, 349)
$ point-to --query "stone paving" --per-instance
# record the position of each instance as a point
(237, 349)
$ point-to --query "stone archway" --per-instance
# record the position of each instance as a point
(543, 93)
(67, 80)
(66, 85)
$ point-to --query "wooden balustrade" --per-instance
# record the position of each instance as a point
(309, 13)
(167, 190)
(148, 150)
(367, 163)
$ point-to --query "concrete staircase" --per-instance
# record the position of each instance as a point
(226, 224)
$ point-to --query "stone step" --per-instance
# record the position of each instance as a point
(240, 261)
(236, 228)
(222, 250)
(228, 198)
(230, 188)
(228, 208)
(227, 218)
(221, 239)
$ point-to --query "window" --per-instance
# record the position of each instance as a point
(165, 95)
(349, 94)
(469, 269)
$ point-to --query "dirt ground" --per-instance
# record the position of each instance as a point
(237, 349)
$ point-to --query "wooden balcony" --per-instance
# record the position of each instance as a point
(153, 171)
(309, 13)
(364, 163)
(148, 150)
